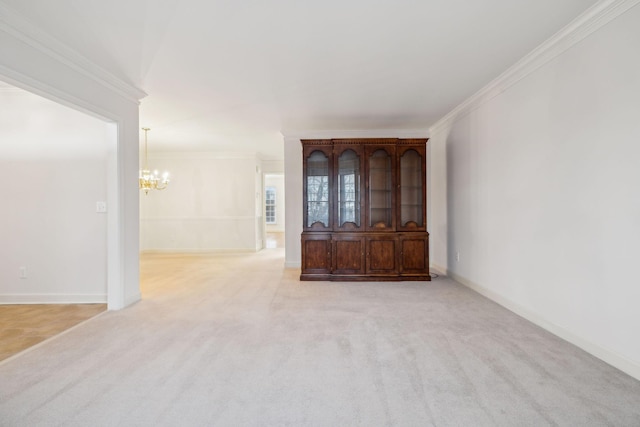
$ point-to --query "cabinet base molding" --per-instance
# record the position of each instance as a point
(364, 278)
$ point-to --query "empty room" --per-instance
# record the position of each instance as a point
(331, 214)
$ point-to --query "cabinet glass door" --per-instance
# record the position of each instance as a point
(411, 190)
(348, 189)
(317, 189)
(380, 190)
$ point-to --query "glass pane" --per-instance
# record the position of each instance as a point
(317, 189)
(411, 191)
(380, 189)
(349, 188)
(270, 195)
(270, 214)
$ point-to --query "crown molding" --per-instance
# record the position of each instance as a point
(585, 24)
(351, 134)
(25, 83)
(10, 89)
(202, 155)
(14, 24)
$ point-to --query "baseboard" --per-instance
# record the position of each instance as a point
(133, 299)
(292, 264)
(611, 357)
(198, 251)
(53, 299)
(438, 269)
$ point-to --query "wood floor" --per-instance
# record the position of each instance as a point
(274, 240)
(23, 326)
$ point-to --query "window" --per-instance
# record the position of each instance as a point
(270, 205)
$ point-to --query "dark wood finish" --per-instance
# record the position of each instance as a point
(308, 151)
(376, 228)
(406, 189)
(359, 221)
(348, 254)
(380, 195)
(382, 255)
(316, 253)
(414, 253)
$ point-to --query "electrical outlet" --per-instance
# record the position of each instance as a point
(101, 207)
(457, 256)
(23, 272)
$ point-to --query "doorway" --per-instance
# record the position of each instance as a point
(55, 163)
(273, 210)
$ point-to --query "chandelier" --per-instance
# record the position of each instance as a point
(151, 180)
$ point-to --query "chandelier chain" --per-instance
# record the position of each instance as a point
(147, 179)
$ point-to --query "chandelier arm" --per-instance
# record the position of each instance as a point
(149, 180)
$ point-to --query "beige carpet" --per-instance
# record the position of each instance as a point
(234, 340)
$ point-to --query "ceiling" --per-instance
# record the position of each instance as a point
(229, 75)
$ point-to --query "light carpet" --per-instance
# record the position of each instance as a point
(236, 340)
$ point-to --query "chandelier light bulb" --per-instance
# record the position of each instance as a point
(147, 180)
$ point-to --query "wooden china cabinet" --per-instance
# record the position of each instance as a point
(364, 210)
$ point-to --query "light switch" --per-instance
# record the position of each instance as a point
(101, 207)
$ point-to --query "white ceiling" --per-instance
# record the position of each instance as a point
(231, 75)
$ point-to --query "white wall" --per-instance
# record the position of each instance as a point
(258, 204)
(293, 202)
(53, 166)
(31, 60)
(49, 226)
(211, 203)
(277, 182)
(273, 166)
(542, 200)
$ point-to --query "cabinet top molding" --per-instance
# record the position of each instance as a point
(365, 141)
